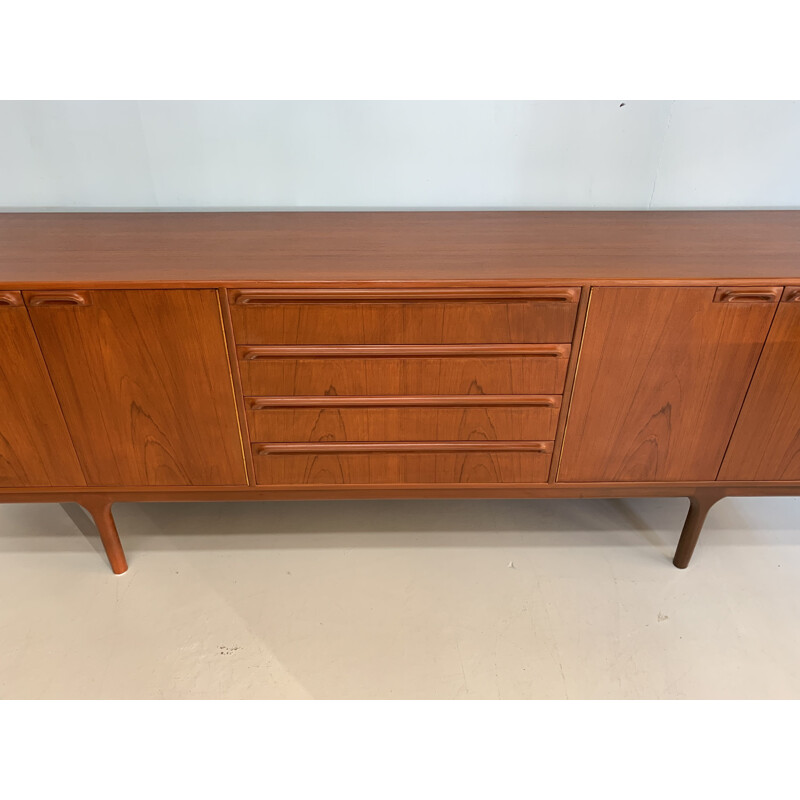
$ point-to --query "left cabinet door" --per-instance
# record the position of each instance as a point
(35, 448)
(144, 381)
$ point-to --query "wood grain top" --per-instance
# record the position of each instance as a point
(363, 248)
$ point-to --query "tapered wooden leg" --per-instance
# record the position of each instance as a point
(100, 509)
(699, 506)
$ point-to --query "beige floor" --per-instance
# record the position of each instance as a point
(413, 599)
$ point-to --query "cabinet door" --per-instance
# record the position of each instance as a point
(661, 378)
(144, 382)
(35, 448)
(766, 441)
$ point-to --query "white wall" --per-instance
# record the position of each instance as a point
(399, 155)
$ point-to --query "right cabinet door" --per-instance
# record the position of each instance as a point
(766, 440)
(661, 378)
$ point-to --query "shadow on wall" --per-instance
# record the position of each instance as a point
(651, 522)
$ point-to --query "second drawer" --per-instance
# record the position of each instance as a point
(472, 370)
(398, 419)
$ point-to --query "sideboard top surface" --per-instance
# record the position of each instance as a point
(464, 247)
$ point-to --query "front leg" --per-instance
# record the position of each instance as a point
(699, 506)
(100, 509)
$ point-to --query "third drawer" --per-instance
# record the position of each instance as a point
(398, 419)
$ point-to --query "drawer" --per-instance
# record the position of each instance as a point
(395, 419)
(386, 463)
(512, 316)
(531, 369)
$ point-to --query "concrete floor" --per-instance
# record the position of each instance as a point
(402, 599)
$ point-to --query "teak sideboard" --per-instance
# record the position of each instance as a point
(227, 356)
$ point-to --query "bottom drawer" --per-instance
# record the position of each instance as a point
(387, 463)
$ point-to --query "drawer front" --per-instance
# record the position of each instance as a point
(548, 317)
(405, 376)
(270, 421)
(404, 464)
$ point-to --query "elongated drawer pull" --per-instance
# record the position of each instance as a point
(748, 294)
(792, 294)
(255, 352)
(58, 298)
(252, 297)
(10, 298)
(437, 401)
(300, 448)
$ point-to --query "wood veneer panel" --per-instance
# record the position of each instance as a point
(766, 441)
(35, 448)
(400, 247)
(660, 381)
(419, 322)
(395, 465)
(144, 383)
(227, 325)
(569, 382)
(404, 376)
(403, 423)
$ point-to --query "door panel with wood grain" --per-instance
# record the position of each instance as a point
(661, 378)
(144, 381)
(35, 448)
(766, 441)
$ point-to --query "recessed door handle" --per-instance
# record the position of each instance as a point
(58, 298)
(792, 294)
(10, 298)
(748, 294)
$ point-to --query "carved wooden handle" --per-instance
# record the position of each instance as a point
(251, 297)
(58, 299)
(298, 448)
(792, 294)
(10, 298)
(748, 294)
(256, 352)
(392, 401)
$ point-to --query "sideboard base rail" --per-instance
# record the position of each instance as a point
(98, 505)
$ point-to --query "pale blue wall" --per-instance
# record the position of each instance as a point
(399, 154)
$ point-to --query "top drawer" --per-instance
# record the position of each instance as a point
(404, 316)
